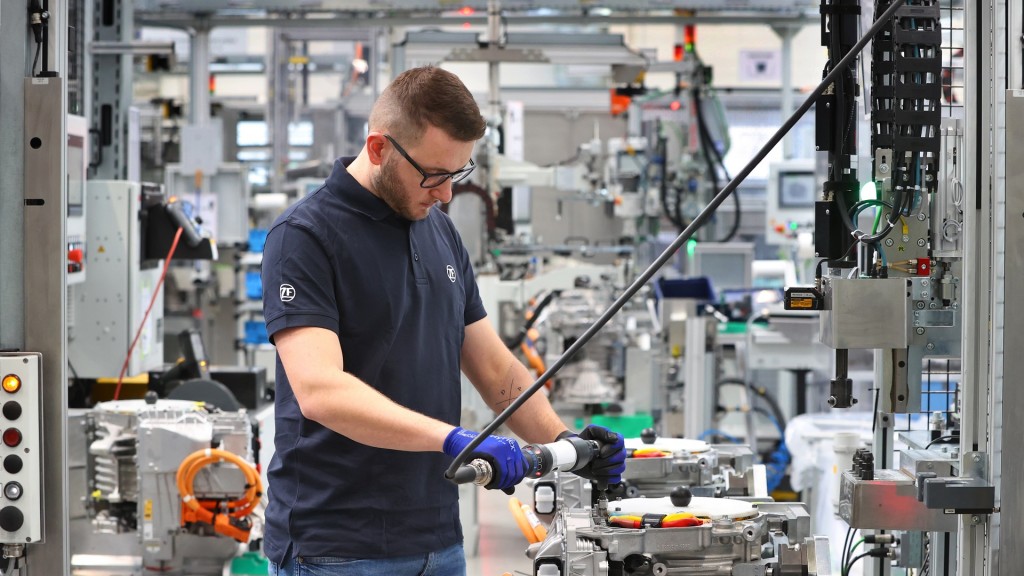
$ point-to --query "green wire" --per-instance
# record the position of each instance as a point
(845, 572)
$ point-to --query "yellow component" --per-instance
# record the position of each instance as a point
(137, 379)
(12, 383)
(677, 350)
(96, 494)
(539, 530)
(516, 508)
(801, 303)
(147, 510)
(298, 60)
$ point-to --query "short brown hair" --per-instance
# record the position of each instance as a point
(427, 96)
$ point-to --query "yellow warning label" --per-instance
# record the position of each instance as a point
(101, 249)
(147, 510)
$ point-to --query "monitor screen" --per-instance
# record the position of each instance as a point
(725, 270)
(251, 133)
(797, 189)
(300, 133)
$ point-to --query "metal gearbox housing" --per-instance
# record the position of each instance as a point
(134, 450)
(775, 537)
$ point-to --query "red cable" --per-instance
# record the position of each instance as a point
(156, 292)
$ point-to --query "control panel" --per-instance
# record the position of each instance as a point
(21, 448)
(789, 210)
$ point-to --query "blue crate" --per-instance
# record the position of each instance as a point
(256, 332)
(253, 285)
(257, 239)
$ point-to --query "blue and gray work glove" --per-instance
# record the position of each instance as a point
(506, 459)
(610, 463)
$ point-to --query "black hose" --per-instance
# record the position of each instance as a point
(673, 214)
(672, 248)
(761, 392)
(708, 144)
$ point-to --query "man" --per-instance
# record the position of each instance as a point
(370, 298)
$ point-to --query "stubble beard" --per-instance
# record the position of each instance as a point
(389, 189)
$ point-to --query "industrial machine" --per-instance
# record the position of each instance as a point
(172, 482)
(657, 466)
(681, 535)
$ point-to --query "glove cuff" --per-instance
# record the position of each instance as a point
(565, 434)
(451, 446)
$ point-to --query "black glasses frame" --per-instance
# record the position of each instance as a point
(457, 176)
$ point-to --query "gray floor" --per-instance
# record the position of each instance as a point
(502, 546)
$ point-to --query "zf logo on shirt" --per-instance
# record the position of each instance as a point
(287, 293)
(451, 273)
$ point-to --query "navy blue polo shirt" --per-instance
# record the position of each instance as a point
(399, 295)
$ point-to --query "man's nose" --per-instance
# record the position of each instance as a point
(443, 192)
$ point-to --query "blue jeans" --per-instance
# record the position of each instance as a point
(448, 562)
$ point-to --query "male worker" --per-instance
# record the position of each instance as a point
(370, 298)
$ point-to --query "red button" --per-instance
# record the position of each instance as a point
(76, 255)
(12, 437)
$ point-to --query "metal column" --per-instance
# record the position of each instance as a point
(978, 373)
(14, 65)
(199, 75)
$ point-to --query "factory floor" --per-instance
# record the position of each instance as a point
(502, 546)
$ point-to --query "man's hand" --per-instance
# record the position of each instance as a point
(503, 454)
(610, 463)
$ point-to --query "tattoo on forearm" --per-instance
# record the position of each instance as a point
(510, 390)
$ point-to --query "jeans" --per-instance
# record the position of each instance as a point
(450, 561)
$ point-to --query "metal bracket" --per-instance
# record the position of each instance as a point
(136, 48)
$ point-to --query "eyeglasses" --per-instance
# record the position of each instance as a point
(433, 180)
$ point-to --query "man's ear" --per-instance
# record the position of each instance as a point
(375, 142)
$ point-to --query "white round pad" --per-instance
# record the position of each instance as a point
(713, 508)
(670, 445)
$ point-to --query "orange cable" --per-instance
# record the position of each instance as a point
(156, 292)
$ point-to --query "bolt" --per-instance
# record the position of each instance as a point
(930, 346)
(975, 519)
(920, 331)
(924, 293)
(977, 458)
(921, 242)
(924, 282)
(920, 305)
(934, 305)
(920, 217)
(889, 242)
(906, 238)
(883, 168)
(827, 212)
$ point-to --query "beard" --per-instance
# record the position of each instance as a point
(388, 187)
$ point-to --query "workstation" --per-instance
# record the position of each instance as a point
(730, 287)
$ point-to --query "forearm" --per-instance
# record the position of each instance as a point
(353, 409)
(535, 421)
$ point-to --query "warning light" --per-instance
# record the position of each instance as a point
(675, 105)
(12, 383)
(677, 52)
(466, 11)
(12, 437)
(689, 37)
